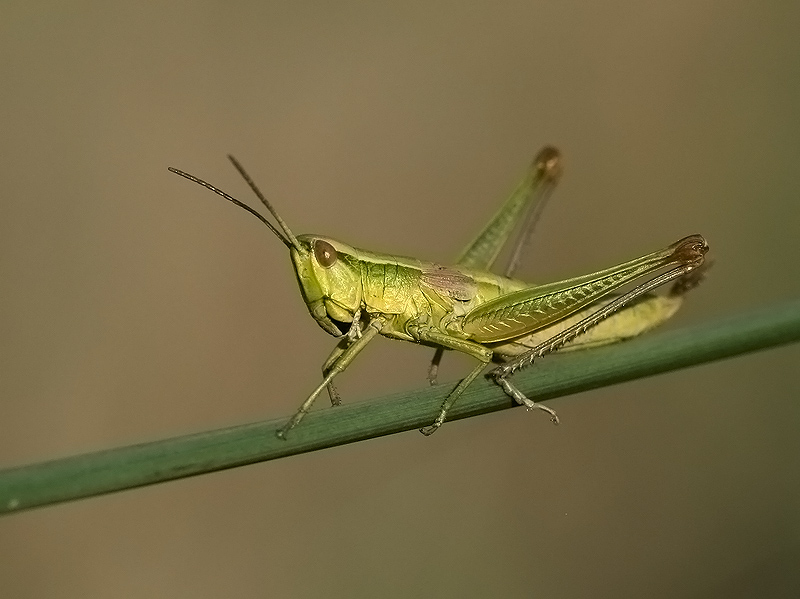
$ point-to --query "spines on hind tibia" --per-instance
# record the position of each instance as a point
(635, 319)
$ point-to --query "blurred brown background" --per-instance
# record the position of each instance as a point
(136, 306)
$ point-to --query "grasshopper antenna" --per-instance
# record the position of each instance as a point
(289, 241)
(287, 231)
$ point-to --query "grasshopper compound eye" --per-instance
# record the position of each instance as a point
(325, 253)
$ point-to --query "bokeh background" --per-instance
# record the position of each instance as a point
(136, 306)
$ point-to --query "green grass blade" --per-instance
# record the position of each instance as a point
(127, 467)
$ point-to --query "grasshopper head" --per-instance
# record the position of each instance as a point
(330, 281)
(327, 270)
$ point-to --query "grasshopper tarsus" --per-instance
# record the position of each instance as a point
(293, 422)
(429, 430)
(523, 399)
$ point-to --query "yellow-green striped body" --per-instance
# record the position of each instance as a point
(464, 303)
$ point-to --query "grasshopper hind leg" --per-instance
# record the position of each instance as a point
(526, 203)
(690, 280)
(685, 279)
(522, 399)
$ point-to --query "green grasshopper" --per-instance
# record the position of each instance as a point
(355, 294)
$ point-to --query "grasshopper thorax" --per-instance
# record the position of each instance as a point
(329, 275)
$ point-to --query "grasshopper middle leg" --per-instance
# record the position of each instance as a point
(468, 347)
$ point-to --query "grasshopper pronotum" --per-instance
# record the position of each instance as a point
(356, 294)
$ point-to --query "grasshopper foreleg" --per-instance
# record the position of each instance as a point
(353, 334)
(336, 399)
(336, 363)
